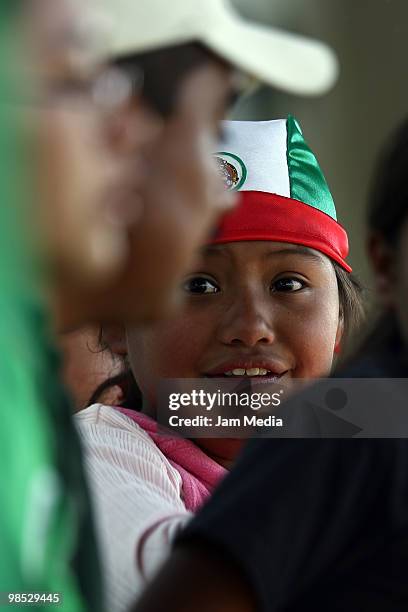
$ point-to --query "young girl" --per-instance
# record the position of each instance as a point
(271, 296)
(345, 546)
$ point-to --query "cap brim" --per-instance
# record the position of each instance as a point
(283, 60)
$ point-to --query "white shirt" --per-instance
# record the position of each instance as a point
(137, 501)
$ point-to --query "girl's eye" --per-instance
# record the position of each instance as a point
(200, 285)
(288, 285)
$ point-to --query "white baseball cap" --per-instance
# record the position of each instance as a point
(284, 60)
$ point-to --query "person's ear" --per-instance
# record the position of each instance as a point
(114, 337)
(383, 265)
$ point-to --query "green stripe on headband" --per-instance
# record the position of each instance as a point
(307, 183)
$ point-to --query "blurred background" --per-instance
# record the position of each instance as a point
(347, 127)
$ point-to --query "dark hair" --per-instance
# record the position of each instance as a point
(133, 398)
(351, 312)
(163, 71)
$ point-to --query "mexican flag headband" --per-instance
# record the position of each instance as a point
(284, 195)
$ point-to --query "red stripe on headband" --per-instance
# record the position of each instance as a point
(267, 216)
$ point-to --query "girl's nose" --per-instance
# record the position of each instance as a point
(248, 322)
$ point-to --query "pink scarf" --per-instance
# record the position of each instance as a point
(199, 473)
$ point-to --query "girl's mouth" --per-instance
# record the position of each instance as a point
(252, 368)
(255, 375)
(249, 372)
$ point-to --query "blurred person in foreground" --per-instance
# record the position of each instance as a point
(66, 229)
(86, 199)
(46, 532)
(315, 524)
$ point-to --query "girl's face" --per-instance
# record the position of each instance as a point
(264, 306)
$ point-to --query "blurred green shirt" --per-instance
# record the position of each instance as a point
(46, 533)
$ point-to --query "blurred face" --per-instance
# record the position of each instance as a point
(79, 173)
(398, 280)
(262, 309)
(181, 198)
(125, 196)
(86, 366)
(389, 261)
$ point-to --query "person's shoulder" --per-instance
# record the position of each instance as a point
(109, 436)
(109, 421)
(100, 414)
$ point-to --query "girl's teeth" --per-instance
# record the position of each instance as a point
(252, 372)
(247, 372)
